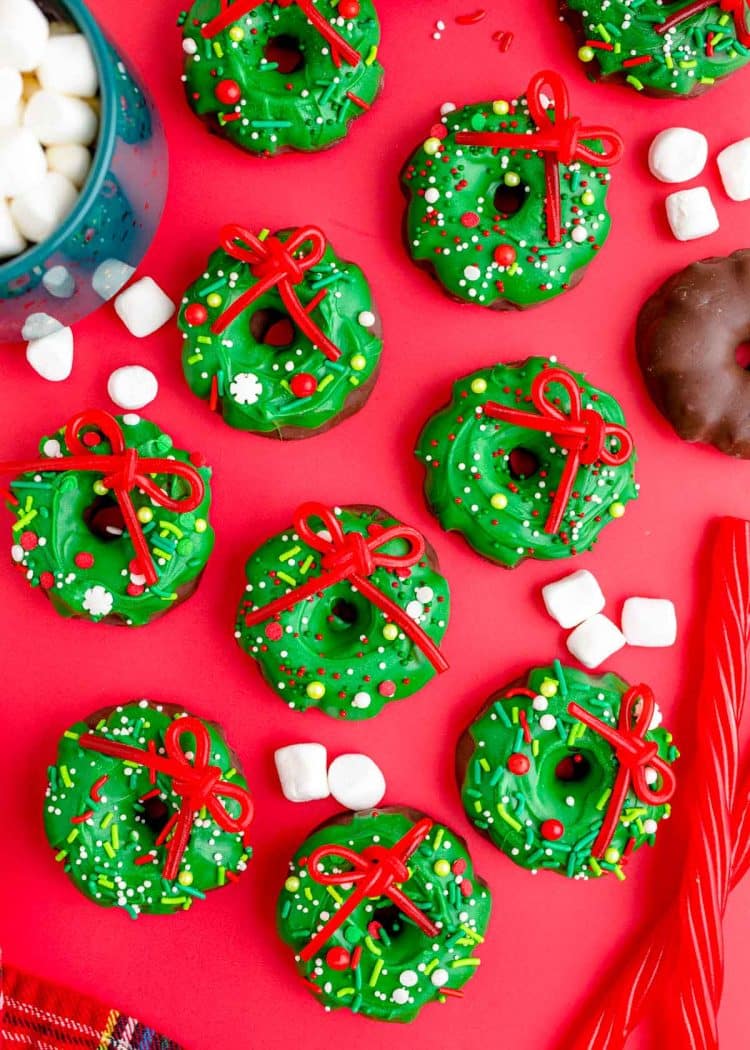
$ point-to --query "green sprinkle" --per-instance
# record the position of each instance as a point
(270, 123)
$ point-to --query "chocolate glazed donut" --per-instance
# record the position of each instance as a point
(687, 341)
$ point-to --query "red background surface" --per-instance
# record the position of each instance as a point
(217, 977)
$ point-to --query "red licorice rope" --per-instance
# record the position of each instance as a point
(738, 9)
(354, 557)
(375, 872)
(197, 783)
(124, 470)
(275, 264)
(634, 754)
(582, 432)
(340, 48)
(561, 141)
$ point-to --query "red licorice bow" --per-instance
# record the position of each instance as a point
(375, 872)
(354, 557)
(634, 753)
(738, 9)
(582, 432)
(197, 783)
(232, 12)
(561, 141)
(275, 264)
(124, 470)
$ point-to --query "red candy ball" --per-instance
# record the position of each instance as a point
(274, 631)
(196, 314)
(228, 92)
(469, 219)
(518, 764)
(552, 830)
(134, 589)
(348, 8)
(47, 581)
(84, 560)
(29, 540)
(338, 958)
(303, 384)
(504, 255)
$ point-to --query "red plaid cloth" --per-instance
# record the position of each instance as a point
(41, 1015)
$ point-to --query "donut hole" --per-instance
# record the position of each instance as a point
(742, 355)
(103, 518)
(399, 939)
(156, 814)
(338, 621)
(508, 200)
(271, 327)
(573, 768)
(285, 50)
(522, 463)
(345, 612)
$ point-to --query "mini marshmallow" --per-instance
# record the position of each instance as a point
(71, 160)
(24, 32)
(39, 211)
(650, 622)
(22, 162)
(302, 771)
(734, 168)
(68, 66)
(678, 155)
(691, 214)
(574, 598)
(51, 357)
(37, 325)
(59, 282)
(594, 640)
(11, 89)
(356, 782)
(110, 276)
(59, 119)
(12, 240)
(143, 307)
(132, 387)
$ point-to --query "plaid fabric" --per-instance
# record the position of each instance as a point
(40, 1015)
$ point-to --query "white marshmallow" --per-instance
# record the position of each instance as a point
(302, 771)
(12, 240)
(110, 276)
(132, 387)
(356, 782)
(68, 66)
(41, 210)
(37, 325)
(594, 640)
(678, 155)
(574, 598)
(22, 162)
(734, 168)
(691, 214)
(59, 119)
(51, 357)
(24, 32)
(11, 89)
(71, 160)
(143, 307)
(59, 282)
(649, 622)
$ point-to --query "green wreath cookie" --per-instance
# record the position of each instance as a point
(272, 77)
(344, 610)
(147, 809)
(506, 205)
(527, 461)
(281, 336)
(566, 771)
(661, 49)
(111, 522)
(384, 911)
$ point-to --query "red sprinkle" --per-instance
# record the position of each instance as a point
(472, 18)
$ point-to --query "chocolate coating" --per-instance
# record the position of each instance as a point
(687, 337)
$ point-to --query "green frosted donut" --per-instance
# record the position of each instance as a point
(70, 538)
(498, 482)
(654, 48)
(107, 816)
(272, 77)
(377, 961)
(476, 215)
(338, 649)
(260, 369)
(543, 786)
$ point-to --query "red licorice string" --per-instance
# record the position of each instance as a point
(634, 754)
(124, 470)
(561, 141)
(738, 9)
(275, 264)
(354, 557)
(582, 432)
(340, 48)
(375, 872)
(197, 783)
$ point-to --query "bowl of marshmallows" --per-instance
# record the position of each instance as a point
(83, 167)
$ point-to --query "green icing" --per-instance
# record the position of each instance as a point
(510, 809)
(340, 642)
(100, 854)
(399, 969)
(688, 58)
(470, 484)
(50, 533)
(454, 226)
(249, 380)
(308, 109)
